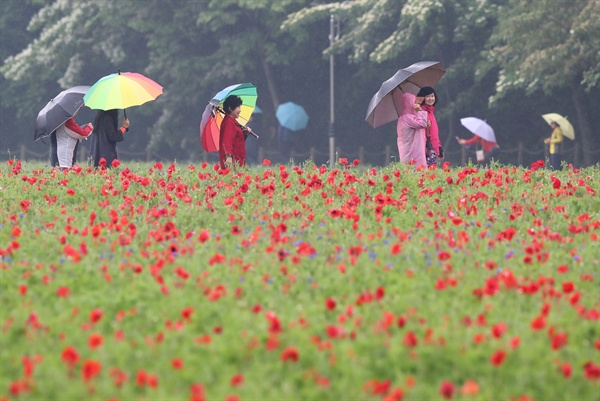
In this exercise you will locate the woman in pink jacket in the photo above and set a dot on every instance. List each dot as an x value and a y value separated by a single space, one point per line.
411 131
430 99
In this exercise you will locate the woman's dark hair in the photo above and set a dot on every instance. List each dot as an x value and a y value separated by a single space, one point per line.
231 103
107 118
427 90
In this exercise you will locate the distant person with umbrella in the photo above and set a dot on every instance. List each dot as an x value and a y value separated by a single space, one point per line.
411 131
487 149
483 139
105 136
292 118
555 139
285 142
232 139
108 95
58 112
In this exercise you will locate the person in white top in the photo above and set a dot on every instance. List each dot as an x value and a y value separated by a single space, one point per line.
67 136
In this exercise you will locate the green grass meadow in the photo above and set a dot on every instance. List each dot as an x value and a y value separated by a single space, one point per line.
185 282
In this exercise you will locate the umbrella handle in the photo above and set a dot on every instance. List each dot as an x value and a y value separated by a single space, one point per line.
125 116
248 130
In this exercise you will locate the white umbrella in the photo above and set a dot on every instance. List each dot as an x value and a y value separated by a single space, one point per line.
479 127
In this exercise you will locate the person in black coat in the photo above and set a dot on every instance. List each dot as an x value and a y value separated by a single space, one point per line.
54 150
105 136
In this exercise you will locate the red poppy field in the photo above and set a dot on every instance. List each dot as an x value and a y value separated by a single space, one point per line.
152 282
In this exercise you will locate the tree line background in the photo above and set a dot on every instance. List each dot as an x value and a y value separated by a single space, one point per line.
506 61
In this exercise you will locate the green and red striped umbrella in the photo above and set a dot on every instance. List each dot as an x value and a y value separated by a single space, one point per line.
213 115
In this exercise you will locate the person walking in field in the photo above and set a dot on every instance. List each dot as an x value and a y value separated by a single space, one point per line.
554 141
105 136
411 131
67 139
433 145
487 149
232 139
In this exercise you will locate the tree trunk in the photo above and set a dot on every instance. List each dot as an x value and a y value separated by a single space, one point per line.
589 144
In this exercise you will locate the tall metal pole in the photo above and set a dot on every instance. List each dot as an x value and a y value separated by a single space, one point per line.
334 34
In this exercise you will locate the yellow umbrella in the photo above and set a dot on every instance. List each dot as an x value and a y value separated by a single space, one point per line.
565 125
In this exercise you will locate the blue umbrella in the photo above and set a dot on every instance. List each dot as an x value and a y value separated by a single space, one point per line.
292 116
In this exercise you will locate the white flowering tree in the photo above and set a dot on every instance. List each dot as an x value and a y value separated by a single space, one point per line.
193 48
402 32
75 43
552 47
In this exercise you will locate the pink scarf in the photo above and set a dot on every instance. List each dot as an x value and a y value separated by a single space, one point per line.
432 131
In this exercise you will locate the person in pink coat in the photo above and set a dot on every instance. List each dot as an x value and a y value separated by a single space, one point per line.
411 131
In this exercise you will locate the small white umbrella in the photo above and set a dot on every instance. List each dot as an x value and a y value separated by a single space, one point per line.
479 127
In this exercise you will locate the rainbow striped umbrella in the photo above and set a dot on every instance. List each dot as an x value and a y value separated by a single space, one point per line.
213 115
121 90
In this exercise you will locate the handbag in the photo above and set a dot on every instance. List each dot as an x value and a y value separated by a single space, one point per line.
479 155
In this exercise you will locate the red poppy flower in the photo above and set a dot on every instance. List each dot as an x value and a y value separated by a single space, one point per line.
186 313
70 356
177 363
237 380
330 303
566 370
568 287
538 323
18 387
96 315
591 371
498 330
556 183
25 204
447 389
141 378
410 340
95 340
470 388
377 387
90 369
16 232
559 340
498 358
290 354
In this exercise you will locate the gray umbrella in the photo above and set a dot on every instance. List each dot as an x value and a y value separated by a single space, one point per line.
58 110
385 106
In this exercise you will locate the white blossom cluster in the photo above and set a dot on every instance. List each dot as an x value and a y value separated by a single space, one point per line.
64 33
420 9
